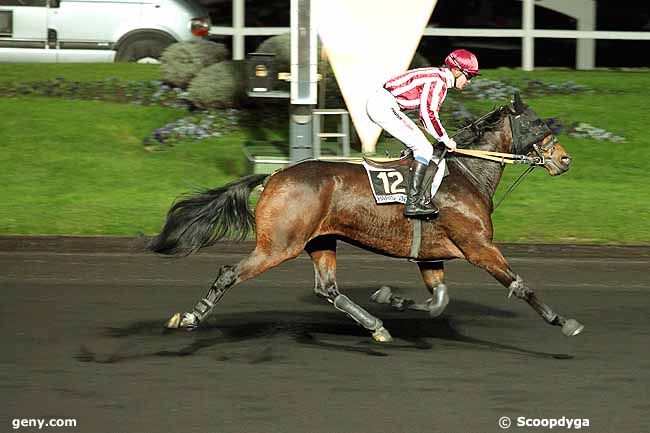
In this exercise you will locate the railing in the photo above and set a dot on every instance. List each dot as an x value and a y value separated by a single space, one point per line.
528 34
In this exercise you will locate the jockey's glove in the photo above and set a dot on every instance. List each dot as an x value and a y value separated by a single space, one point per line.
449 143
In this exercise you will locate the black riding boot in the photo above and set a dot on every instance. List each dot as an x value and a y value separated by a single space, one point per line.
414 207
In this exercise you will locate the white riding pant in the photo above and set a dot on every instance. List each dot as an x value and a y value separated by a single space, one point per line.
382 108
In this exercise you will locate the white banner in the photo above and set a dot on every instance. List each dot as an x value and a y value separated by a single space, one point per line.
369 41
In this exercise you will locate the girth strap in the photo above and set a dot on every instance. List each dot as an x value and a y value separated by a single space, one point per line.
417 238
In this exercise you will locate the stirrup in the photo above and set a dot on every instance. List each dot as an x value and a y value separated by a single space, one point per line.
425 213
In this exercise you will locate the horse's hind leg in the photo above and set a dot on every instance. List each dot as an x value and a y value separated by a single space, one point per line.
259 261
490 258
323 254
322 251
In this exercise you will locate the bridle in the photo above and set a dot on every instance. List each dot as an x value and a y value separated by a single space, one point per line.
540 147
547 145
520 143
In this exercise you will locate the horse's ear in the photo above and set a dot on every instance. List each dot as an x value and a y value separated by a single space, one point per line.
518 104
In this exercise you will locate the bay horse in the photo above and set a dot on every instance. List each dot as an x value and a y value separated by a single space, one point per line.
311 205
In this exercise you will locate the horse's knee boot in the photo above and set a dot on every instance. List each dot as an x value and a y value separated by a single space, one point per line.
357 313
202 309
519 289
438 301
225 279
522 291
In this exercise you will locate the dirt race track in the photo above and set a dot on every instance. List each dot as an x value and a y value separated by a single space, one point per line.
82 338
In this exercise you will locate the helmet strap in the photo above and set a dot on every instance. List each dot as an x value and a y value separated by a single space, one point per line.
453 59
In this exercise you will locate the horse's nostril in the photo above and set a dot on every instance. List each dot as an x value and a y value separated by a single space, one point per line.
565 160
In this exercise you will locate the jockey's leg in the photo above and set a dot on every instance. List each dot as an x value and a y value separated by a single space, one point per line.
489 258
414 207
439 176
384 111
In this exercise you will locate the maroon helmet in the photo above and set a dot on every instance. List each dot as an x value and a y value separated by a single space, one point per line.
463 60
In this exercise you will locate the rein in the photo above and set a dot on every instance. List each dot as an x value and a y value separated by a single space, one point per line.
506 158
548 142
503 158
500 157
520 179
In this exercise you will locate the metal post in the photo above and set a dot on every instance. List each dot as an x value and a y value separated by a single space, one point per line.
528 41
584 11
238 24
586 48
345 124
303 80
300 130
316 118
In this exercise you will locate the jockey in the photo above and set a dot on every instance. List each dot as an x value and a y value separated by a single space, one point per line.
425 90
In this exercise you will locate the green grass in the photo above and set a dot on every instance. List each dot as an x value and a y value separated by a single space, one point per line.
626 81
79 167
11 72
604 197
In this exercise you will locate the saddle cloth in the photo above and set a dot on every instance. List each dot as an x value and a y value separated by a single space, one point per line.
389 180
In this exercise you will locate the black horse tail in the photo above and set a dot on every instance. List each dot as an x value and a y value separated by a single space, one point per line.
199 221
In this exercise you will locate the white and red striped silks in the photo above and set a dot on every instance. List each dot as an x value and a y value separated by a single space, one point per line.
424 89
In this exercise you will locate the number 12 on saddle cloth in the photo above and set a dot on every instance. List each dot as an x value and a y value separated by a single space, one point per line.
389 181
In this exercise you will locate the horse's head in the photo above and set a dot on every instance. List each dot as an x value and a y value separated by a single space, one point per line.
531 136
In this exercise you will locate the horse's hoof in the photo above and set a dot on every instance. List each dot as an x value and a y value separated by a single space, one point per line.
382 296
572 327
186 321
174 321
382 335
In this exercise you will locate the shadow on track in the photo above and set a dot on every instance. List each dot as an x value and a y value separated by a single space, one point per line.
412 331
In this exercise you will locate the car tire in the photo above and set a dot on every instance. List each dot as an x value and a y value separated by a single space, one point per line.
143 47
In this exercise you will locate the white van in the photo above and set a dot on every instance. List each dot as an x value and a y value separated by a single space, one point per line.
96 30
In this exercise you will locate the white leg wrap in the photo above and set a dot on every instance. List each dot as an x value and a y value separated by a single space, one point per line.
202 309
358 314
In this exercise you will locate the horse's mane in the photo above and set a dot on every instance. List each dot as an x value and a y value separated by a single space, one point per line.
480 134
469 135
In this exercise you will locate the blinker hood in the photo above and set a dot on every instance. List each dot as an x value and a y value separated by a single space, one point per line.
527 128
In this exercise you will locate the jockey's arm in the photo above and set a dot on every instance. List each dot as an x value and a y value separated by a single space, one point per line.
430 103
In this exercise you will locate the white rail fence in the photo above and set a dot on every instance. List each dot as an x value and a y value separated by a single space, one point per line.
528 34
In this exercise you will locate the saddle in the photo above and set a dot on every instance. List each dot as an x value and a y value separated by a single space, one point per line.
389 180
405 159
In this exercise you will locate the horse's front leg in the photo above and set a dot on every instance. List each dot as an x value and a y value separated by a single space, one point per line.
489 257
433 274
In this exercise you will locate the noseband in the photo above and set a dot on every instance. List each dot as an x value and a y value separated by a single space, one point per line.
546 146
